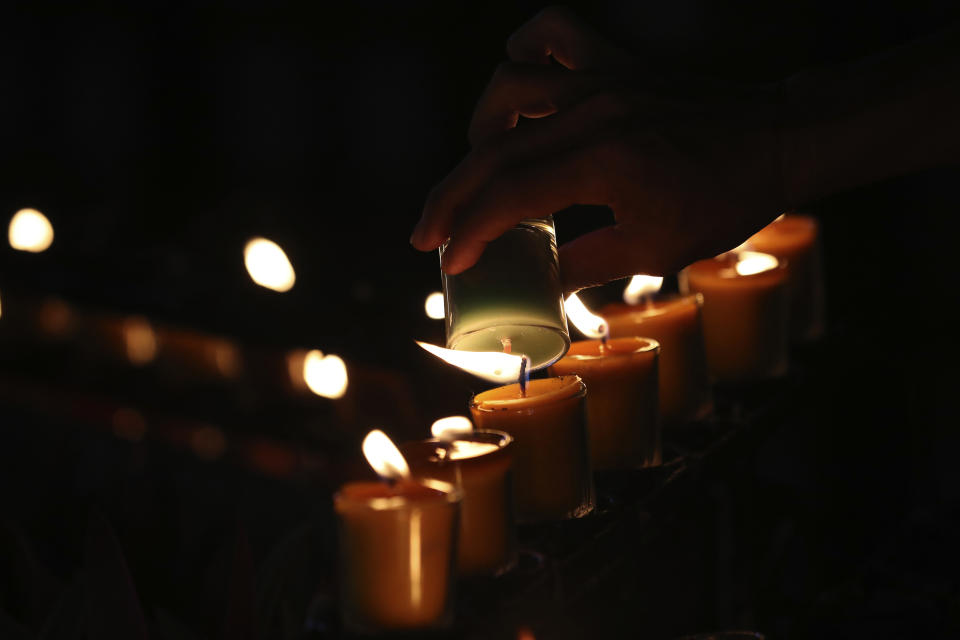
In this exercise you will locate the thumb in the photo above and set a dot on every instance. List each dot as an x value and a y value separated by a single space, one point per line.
604 255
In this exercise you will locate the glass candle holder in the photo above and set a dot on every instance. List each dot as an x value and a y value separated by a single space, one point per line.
622 416
677 324
745 316
795 239
511 300
397 551
551 454
480 464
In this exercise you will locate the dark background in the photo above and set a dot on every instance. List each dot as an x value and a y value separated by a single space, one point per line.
158 139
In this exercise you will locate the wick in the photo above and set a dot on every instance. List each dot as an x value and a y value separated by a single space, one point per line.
524 377
507 345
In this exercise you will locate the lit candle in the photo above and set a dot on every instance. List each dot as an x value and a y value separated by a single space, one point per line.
511 295
744 314
621 377
551 460
795 239
397 540
677 324
479 463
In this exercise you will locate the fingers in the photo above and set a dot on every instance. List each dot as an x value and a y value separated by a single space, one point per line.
557 32
533 91
604 255
515 148
534 191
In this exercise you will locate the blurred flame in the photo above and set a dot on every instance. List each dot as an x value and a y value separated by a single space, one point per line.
450 427
30 231
641 286
55 318
208 442
268 265
434 306
325 375
140 340
384 456
493 366
589 324
752 262
129 424
227 358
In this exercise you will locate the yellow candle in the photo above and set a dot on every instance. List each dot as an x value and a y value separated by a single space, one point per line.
795 239
480 465
397 548
744 315
551 460
677 324
622 416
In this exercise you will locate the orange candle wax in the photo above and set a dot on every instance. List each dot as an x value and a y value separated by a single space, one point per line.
795 239
552 473
480 465
744 316
397 550
622 416
677 324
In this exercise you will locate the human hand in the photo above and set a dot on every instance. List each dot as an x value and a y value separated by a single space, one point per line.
686 177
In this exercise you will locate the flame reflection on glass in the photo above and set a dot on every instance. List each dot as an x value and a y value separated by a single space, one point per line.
384 456
434 306
30 231
451 427
589 324
492 366
753 262
641 286
268 265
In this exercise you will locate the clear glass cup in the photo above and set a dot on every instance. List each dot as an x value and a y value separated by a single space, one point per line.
512 298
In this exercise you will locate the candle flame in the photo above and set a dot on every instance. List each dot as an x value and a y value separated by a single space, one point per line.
384 456
451 427
589 324
325 375
30 231
641 286
434 306
492 366
753 262
268 265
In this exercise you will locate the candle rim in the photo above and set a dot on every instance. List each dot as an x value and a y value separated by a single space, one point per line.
659 306
649 345
561 393
447 493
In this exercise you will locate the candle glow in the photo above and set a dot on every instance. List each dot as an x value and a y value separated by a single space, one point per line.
492 366
589 324
451 427
268 265
641 286
384 456
434 306
751 262
30 231
325 375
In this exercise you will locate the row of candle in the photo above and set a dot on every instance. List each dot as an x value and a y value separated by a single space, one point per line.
538 441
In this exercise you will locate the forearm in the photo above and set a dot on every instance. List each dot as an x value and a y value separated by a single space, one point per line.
874 119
